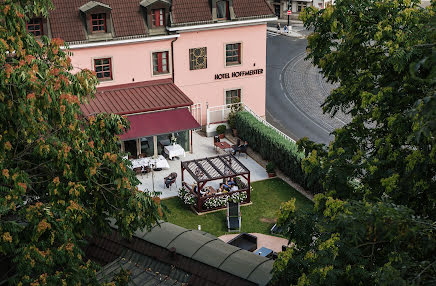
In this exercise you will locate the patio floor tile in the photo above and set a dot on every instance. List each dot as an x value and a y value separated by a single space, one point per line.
202 147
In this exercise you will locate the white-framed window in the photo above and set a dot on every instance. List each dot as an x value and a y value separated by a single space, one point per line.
233 54
160 63
233 96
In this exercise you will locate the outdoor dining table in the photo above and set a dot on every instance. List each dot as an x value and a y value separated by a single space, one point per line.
174 150
159 162
222 145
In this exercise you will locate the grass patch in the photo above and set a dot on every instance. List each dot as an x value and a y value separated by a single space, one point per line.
266 196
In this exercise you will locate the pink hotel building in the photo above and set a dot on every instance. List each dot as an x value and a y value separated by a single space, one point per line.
163 62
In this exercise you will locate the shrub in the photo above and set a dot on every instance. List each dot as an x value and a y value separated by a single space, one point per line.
271 146
221 201
187 198
270 167
221 129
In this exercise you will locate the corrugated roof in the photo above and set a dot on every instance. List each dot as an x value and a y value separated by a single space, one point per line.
136 98
210 251
67 23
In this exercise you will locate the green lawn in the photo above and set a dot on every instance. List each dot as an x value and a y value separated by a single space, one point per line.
259 217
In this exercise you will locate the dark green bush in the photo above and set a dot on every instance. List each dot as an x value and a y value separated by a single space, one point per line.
270 167
271 146
221 129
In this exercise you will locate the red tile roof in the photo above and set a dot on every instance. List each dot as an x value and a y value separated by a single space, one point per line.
186 11
67 23
189 11
136 97
252 8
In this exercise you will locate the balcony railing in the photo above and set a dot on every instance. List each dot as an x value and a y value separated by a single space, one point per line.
219 114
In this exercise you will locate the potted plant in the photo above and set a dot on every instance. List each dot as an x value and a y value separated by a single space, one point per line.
231 120
271 169
220 130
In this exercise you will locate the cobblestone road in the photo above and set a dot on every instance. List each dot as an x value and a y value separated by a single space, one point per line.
307 89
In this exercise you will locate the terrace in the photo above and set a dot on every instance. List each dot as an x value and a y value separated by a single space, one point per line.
203 147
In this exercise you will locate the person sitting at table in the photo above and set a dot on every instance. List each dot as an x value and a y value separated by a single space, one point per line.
225 186
234 188
240 147
230 182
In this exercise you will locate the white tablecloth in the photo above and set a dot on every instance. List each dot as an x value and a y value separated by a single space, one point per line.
159 162
174 150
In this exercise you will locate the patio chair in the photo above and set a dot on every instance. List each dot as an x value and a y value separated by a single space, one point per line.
233 217
146 170
138 171
170 180
216 139
242 149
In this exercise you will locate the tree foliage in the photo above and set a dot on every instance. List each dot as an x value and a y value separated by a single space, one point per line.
356 243
62 177
382 54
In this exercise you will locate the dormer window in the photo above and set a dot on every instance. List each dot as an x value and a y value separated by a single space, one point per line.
158 17
222 10
98 22
97 17
34 26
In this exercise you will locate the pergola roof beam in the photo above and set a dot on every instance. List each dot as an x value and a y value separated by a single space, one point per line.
204 171
213 165
228 166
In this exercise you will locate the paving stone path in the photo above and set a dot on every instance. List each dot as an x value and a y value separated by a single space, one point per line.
306 87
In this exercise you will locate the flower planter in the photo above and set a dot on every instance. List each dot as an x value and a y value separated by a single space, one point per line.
271 175
221 136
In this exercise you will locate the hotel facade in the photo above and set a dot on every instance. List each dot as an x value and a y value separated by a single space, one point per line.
165 64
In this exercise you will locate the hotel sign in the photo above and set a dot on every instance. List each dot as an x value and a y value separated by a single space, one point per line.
238 74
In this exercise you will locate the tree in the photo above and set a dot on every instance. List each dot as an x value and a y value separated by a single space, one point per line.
355 243
381 52
62 177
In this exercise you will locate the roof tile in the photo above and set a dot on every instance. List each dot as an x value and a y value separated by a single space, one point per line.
67 23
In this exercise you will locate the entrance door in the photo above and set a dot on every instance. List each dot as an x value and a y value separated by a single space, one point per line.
277 10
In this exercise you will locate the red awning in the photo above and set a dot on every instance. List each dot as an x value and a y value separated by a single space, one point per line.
161 122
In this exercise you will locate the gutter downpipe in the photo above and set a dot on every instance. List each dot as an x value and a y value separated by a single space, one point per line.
172 57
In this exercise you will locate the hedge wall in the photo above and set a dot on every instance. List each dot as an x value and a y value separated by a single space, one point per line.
271 146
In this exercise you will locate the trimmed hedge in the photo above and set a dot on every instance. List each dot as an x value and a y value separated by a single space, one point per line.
271 146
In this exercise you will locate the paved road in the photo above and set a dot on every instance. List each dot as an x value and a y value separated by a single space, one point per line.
295 90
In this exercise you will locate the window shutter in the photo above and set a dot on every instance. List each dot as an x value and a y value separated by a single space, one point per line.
159 62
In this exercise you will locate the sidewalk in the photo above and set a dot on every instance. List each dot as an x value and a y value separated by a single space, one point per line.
290 33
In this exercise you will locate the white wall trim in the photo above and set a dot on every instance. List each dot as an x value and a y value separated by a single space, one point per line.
222 25
120 42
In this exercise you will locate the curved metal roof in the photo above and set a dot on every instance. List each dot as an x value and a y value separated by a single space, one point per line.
206 248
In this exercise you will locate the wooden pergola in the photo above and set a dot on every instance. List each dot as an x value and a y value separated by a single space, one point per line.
212 169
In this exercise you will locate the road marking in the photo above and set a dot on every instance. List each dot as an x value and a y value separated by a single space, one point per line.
271 34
